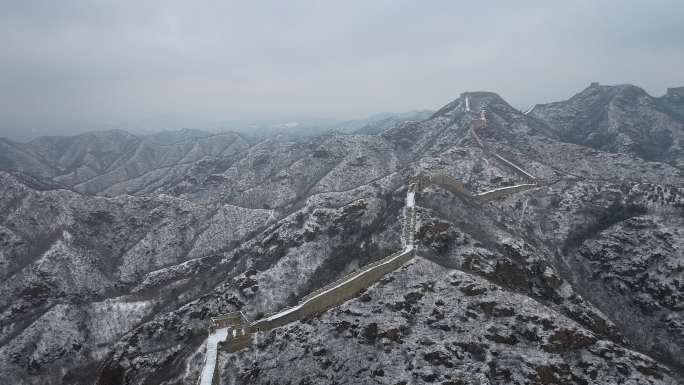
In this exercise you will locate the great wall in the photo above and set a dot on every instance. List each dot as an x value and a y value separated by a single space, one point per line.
233 332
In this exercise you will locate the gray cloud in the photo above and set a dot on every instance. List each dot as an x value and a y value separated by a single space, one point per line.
73 65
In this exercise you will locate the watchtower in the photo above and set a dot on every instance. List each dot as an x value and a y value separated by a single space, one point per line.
238 335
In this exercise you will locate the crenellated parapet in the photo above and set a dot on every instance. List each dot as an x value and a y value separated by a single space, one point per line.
229 320
423 180
237 328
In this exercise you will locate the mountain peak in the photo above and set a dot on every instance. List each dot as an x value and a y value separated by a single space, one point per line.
484 98
619 118
474 101
609 91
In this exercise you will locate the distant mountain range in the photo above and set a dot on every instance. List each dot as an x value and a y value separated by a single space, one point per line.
115 249
253 129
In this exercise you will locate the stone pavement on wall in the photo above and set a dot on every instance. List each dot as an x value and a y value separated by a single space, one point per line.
214 338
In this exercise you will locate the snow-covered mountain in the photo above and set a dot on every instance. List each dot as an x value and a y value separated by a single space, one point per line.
621 119
116 249
115 162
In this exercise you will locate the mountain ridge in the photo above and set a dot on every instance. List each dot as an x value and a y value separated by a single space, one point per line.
256 226
621 118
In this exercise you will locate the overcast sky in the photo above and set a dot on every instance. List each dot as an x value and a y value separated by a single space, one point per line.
75 65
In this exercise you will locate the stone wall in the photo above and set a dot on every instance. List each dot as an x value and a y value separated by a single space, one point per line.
504 191
216 378
480 123
230 320
420 181
477 123
515 168
449 183
341 293
238 342
473 133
